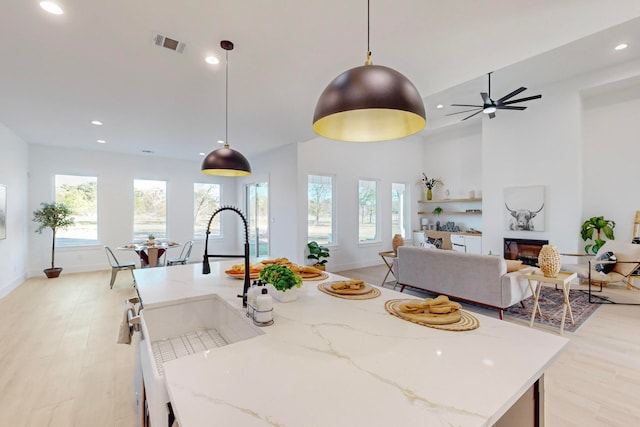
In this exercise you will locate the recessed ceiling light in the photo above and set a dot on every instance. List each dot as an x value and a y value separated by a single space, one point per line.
202 154
102 141
439 106
212 60
220 141
96 122
51 7
621 46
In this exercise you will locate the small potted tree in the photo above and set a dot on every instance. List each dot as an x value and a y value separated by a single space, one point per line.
317 252
56 216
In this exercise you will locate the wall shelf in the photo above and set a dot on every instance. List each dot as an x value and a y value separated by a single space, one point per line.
451 213
478 199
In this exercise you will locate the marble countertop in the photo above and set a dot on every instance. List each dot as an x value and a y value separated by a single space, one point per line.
328 361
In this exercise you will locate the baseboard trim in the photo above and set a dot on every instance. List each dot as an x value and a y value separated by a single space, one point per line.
7 288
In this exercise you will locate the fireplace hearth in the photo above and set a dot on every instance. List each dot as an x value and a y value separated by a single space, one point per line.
525 250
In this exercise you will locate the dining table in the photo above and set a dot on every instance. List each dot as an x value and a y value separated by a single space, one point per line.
150 253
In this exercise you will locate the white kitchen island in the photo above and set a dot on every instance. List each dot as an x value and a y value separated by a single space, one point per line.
328 361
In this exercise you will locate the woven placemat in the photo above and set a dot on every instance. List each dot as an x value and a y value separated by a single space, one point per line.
322 276
466 323
375 293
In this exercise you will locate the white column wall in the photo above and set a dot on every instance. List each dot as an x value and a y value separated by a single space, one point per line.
13 173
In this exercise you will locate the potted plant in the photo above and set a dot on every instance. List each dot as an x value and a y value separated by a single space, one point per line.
317 252
56 216
437 210
597 224
281 282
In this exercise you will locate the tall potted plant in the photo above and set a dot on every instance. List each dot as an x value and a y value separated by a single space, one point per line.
56 216
317 252
596 224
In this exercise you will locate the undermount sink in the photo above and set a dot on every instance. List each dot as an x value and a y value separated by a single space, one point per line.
177 330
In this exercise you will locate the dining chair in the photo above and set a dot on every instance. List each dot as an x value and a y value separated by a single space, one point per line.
185 253
118 266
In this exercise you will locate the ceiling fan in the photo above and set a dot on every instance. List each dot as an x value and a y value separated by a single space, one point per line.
489 106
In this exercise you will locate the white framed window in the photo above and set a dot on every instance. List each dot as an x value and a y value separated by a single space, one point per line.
149 209
400 211
367 210
320 209
206 199
80 194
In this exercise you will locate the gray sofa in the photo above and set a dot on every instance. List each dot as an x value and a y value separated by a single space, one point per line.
482 279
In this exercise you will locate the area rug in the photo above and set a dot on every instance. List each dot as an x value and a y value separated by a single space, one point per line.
551 306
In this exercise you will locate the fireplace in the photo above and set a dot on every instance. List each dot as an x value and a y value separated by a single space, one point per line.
526 250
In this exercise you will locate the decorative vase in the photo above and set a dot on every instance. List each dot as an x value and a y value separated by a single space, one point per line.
429 194
549 261
397 241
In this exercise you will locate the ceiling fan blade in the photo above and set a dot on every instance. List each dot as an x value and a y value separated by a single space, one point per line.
528 98
492 115
467 105
460 112
468 117
485 98
509 107
511 95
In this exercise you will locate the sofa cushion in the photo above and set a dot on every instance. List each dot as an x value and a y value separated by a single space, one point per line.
435 241
605 268
627 254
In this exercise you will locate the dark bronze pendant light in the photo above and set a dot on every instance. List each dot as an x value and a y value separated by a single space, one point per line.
226 161
369 103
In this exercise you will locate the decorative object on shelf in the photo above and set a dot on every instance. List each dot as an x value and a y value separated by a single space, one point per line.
437 210
56 216
600 225
369 103
397 241
226 161
430 184
524 208
317 252
549 261
449 226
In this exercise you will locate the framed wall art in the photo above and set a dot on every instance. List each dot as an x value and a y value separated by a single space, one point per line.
524 208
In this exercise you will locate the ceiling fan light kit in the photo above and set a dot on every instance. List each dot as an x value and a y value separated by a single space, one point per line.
489 106
369 103
226 161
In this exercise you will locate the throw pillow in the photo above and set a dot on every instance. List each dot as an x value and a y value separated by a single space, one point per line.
427 245
513 265
437 242
606 268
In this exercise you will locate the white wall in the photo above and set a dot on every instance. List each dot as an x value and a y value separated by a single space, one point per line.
611 155
388 162
13 174
279 169
454 154
115 204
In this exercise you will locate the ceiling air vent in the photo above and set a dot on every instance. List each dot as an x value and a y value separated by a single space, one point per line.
164 41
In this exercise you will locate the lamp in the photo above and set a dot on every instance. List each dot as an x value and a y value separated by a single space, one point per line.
369 103
226 161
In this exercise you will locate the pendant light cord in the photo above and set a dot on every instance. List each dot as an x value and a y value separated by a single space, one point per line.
368 61
226 103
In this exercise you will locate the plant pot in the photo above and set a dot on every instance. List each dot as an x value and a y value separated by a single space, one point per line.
52 273
283 296
429 194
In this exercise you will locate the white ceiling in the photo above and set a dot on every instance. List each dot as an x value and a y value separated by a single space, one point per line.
98 61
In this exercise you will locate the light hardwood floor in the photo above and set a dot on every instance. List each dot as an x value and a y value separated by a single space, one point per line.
60 364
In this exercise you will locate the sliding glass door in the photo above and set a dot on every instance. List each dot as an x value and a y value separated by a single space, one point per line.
257 210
